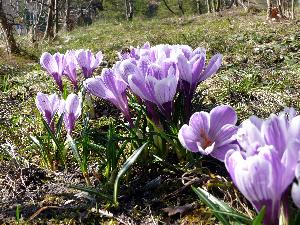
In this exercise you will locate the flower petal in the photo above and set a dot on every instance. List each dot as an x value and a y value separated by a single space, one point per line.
213 66
220 116
188 138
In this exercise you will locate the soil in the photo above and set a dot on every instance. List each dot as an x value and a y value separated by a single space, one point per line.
151 194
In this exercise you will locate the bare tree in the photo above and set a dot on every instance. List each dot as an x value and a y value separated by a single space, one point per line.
49 33
168 7
67 22
180 6
7 27
36 8
128 9
198 6
56 16
208 2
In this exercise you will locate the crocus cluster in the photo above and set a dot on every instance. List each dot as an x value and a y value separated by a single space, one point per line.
59 64
155 75
260 155
49 105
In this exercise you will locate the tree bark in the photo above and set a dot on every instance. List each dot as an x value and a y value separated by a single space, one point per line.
180 6
8 32
269 9
49 33
67 22
198 7
293 9
218 7
56 16
208 6
129 9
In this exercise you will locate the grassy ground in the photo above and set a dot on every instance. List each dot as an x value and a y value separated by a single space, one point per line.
260 75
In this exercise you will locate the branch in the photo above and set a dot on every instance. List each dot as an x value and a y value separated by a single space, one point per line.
166 4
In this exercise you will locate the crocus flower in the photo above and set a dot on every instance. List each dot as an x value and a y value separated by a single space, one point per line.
71 108
70 67
210 133
265 166
54 64
134 53
110 87
156 83
48 106
192 70
88 62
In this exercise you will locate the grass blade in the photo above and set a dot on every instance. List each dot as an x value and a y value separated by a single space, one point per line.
74 149
258 220
209 200
92 191
125 168
59 125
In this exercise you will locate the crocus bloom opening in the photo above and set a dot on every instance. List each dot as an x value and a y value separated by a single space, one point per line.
70 67
48 106
54 64
192 70
265 166
158 85
210 133
110 87
71 108
88 62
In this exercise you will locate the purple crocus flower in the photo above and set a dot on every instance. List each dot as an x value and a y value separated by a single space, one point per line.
110 87
48 106
71 107
265 166
54 64
88 62
210 133
156 83
70 67
192 71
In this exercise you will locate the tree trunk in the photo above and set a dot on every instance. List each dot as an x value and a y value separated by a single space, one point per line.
279 4
269 9
218 7
8 32
208 6
213 5
180 6
56 16
67 22
293 9
129 9
198 7
49 33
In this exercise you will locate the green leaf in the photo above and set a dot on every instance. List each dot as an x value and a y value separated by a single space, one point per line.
213 203
42 149
125 168
236 215
74 149
258 220
59 125
92 191
18 212
36 141
53 137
